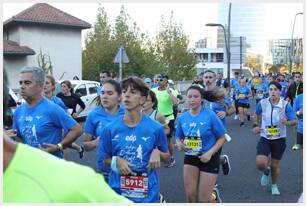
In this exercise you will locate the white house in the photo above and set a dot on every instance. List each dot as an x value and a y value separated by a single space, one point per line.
43 28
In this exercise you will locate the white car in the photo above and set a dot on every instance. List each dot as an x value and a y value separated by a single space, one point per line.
87 90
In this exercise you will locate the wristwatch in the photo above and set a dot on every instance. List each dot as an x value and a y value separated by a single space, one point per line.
60 146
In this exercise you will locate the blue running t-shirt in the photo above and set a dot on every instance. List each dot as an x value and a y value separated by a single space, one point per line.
96 120
206 126
135 145
42 123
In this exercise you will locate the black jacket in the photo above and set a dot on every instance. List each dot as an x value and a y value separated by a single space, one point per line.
291 92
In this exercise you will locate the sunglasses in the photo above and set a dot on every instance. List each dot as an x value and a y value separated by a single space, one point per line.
160 79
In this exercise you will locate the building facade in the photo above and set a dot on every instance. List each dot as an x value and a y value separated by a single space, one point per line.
48 31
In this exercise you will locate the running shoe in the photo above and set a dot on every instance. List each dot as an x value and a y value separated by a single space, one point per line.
172 163
161 198
235 117
226 167
241 124
216 195
264 181
81 153
296 147
274 190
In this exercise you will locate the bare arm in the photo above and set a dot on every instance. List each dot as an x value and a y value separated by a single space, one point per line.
90 143
161 119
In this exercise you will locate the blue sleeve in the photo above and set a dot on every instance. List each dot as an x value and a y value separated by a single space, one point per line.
228 101
162 143
89 127
217 126
61 118
290 114
105 144
179 134
258 110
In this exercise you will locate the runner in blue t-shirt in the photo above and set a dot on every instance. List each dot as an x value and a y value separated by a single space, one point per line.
275 114
261 90
107 110
49 88
39 122
133 149
201 134
243 95
298 108
222 108
234 86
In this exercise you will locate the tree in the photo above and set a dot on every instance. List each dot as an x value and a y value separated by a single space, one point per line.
254 61
136 44
99 49
44 62
171 48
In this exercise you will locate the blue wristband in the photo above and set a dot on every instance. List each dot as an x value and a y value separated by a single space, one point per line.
114 164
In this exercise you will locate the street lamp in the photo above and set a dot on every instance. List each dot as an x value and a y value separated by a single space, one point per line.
228 54
291 55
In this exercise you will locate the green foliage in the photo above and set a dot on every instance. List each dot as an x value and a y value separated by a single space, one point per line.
168 54
171 48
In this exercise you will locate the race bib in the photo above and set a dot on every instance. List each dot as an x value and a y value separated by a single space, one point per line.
134 186
273 131
241 96
260 95
193 145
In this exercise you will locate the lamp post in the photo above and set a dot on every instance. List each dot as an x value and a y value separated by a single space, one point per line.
291 55
227 49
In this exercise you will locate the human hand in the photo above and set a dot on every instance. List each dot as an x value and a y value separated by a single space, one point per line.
154 161
124 166
205 157
221 114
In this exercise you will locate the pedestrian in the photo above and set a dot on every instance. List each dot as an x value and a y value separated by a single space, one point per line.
295 89
201 134
234 86
243 95
33 176
128 144
149 108
104 75
275 114
261 90
70 99
39 122
298 108
166 100
49 88
221 108
107 110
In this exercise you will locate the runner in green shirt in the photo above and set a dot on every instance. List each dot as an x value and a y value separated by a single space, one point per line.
166 100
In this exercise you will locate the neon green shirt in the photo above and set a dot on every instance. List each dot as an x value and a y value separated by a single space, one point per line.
35 176
164 103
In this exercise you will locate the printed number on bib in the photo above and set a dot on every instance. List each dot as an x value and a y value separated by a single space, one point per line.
273 131
193 145
242 96
134 186
260 95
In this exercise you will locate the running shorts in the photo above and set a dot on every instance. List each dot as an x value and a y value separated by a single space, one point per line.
211 167
275 147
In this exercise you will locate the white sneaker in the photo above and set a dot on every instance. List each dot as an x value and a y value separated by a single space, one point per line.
235 117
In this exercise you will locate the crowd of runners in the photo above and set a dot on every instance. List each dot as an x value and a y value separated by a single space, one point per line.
136 125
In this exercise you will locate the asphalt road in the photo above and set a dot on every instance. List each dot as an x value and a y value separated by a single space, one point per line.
242 184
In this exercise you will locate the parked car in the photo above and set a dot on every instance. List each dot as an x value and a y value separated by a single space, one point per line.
87 90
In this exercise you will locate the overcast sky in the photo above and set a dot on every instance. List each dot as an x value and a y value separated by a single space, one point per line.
193 16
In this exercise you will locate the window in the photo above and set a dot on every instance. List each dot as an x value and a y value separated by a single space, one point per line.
92 88
81 90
